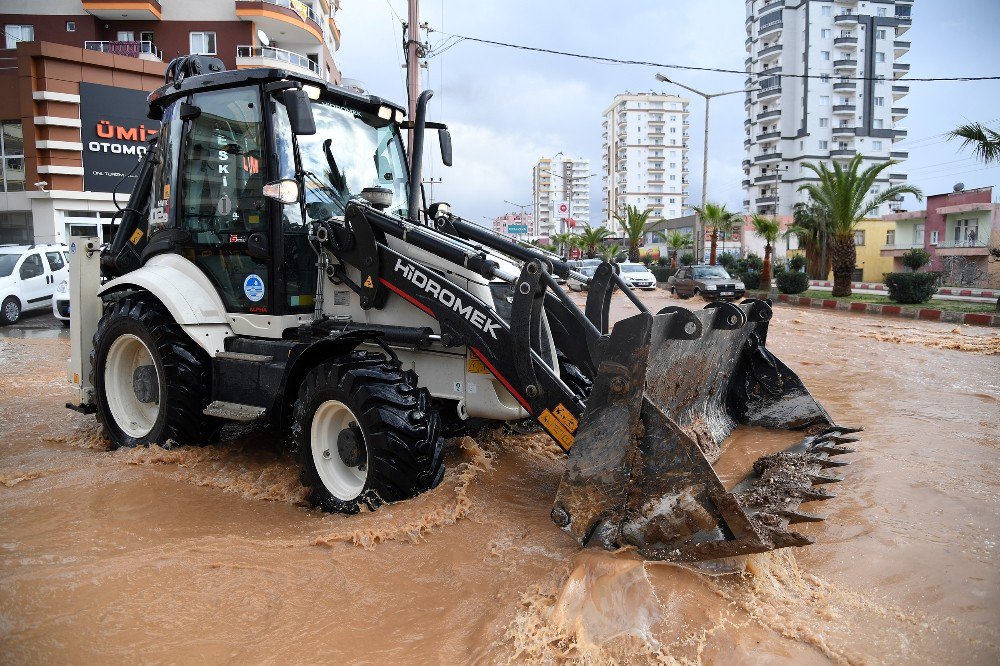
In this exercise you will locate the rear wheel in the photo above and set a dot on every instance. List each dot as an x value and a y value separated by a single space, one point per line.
151 381
366 434
10 311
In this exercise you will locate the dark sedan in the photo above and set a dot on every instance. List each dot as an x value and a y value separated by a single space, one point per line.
713 283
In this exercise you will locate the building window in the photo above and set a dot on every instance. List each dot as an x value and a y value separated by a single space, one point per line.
825 10
70 26
824 100
879 57
890 237
11 157
879 123
126 36
881 11
824 55
18 33
825 33
859 237
824 145
203 43
880 34
824 122
934 238
824 78
876 145
880 101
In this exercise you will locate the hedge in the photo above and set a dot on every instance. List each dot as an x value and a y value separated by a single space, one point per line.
662 273
911 287
750 278
793 282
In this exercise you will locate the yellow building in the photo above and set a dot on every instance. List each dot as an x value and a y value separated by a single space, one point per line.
869 239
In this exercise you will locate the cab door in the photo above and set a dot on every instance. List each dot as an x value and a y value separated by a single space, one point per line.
222 205
34 281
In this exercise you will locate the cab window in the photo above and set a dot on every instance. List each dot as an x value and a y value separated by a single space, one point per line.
56 262
32 267
223 201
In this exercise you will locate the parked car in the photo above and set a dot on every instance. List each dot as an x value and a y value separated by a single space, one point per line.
576 285
637 276
60 302
29 276
712 283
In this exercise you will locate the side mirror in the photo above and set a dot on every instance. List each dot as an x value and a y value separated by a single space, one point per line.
300 113
283 191
444 138
257 246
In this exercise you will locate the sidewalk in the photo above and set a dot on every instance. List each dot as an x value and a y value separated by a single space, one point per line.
943 291
906 311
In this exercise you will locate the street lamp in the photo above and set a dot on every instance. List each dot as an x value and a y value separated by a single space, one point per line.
522 207
704 171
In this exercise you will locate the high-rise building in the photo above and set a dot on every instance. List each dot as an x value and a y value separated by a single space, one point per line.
561 180
78 73
825 88
645 145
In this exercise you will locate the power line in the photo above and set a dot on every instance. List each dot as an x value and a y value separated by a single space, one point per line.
742 72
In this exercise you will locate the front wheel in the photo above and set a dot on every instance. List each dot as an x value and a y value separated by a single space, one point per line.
10 311
151 381
366 434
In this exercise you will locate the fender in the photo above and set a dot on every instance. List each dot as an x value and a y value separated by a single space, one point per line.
186 292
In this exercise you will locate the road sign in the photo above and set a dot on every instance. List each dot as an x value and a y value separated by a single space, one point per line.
575 253
517 228
562 209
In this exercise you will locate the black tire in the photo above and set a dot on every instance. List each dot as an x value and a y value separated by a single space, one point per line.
65 323
10 311
399 429
183 373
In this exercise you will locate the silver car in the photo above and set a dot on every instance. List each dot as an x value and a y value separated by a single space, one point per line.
713 283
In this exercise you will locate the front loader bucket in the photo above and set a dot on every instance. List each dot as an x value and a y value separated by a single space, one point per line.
668 391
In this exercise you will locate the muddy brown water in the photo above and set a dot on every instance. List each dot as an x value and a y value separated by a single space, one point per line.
207 554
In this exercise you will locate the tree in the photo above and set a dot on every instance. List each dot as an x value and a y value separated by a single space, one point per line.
916 258
768 229
809 228
845 195
985 141
634 226
611 252
562 242
677 241
720 219
590 238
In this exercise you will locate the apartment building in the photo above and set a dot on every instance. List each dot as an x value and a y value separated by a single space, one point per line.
520 224
852 102
78 72
645 147
561 194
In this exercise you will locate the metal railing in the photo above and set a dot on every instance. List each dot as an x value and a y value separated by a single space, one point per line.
300 8
132 49
968 243
274 53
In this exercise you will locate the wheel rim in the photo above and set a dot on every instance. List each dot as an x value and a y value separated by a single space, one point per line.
134 414
344 481
11 311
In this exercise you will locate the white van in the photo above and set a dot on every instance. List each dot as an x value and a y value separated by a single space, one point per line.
29 276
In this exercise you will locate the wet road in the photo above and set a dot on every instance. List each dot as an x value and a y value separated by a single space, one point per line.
207 554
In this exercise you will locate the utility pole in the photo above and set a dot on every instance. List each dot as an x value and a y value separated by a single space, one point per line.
432 182
413 49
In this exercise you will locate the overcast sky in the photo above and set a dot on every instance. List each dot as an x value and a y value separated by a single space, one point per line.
506 108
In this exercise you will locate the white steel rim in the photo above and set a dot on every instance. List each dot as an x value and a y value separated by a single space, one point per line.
134 417
344 482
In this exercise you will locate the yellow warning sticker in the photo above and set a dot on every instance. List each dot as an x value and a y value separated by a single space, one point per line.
136 237
477 366
166 191
369 283
555 428
566 418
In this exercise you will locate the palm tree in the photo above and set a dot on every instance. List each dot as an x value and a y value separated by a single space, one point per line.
984 140
562 242
720 219
844 194
610 252
809 228
677 241
590 238
768 229
634 225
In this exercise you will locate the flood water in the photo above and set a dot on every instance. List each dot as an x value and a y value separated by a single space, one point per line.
208 554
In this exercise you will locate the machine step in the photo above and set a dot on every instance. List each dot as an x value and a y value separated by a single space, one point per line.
232 411
240 356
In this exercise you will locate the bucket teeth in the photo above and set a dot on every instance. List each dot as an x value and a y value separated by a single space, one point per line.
826 462
787 539
840 430
833 450
842 440
799 517
822 478
813 494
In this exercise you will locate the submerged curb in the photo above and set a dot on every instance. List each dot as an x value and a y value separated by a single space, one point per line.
932 314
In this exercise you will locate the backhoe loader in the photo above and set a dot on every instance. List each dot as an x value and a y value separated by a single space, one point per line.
276 261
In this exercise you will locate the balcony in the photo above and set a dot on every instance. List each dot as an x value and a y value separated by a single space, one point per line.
769 93
770 178
849 64
844 109
843 153
965 248
124 10
269 56
142 50
900 91
768 157
773 113
846 42
898 249
765 200
899 155
900 111
900 69
282 20
768 137
769 51
897 177
846 18
772 29
844 130
901 47
845 86
746 164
